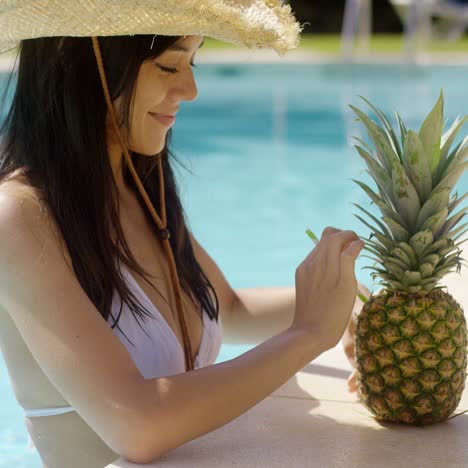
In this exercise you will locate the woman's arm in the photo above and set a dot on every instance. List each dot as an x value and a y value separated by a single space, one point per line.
183 407
260 313
250 315
138 418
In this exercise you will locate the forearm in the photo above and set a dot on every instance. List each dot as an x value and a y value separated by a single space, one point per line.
259 314
185 406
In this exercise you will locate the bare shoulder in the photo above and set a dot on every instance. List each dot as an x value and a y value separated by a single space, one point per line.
17 199
75 348
21 212
24 217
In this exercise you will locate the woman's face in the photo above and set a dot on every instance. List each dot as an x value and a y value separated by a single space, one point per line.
161 85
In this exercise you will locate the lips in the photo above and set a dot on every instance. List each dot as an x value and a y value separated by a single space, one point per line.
163 118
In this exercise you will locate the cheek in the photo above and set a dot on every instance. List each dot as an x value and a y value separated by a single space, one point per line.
147 135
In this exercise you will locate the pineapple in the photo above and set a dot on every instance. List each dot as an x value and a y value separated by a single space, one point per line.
411 337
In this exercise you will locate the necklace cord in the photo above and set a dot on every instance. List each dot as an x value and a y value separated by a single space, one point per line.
161 223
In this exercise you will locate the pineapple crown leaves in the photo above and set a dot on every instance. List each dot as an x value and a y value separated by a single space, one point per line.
436 146
414 241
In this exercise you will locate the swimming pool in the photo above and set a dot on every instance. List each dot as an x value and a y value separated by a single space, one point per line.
269 147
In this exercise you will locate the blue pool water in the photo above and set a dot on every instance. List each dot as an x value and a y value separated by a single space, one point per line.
270 150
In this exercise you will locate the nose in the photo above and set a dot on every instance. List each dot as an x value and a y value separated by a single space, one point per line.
186 87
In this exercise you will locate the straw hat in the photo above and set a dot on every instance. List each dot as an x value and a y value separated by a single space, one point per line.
252 23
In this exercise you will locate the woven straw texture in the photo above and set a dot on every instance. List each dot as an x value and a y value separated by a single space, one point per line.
251 23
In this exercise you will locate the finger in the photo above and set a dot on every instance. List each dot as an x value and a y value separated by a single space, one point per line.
318 253
349 352
348 259
320 244
328 231
337 243
352 382
365 290
318 247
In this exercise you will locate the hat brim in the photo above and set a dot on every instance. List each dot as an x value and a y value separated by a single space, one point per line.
250 23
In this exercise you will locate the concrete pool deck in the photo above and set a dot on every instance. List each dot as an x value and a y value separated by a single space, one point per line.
312 421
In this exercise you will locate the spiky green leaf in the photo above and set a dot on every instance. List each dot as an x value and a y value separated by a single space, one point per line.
416 165
395 261
384 151
436 202
426 270
364 145
437 246
384 208
385 241
403 130
380 250
394 271
411 278
399 233
387 126
435 222
432 259
454 172
420 241
384 230
430 133
402 255
449 136
409 251
377 172
453 221
456 158
456 237
373 229
455 201
406 198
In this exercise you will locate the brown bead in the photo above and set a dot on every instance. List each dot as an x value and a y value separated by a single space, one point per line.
164 234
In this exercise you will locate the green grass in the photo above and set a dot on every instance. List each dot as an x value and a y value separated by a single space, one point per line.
331 44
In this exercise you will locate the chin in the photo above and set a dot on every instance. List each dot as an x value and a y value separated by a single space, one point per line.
149 151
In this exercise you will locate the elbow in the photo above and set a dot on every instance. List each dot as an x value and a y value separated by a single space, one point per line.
140 457
141 444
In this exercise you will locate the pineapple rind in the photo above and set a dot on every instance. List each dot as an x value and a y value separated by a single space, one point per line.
411 356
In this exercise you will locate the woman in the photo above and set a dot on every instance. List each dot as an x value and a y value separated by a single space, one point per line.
111 316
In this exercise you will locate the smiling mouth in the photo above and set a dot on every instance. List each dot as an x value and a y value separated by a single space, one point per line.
166 120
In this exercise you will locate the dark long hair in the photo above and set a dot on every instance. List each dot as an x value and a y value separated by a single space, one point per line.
55 134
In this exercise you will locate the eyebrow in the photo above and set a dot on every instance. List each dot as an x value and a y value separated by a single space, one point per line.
181 48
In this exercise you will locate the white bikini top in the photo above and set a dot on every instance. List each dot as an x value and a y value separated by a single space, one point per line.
158 355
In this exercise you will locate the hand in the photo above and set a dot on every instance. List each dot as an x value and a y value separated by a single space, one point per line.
348 339
326 286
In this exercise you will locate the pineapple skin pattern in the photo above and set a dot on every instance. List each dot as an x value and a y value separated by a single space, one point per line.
411 337
411 356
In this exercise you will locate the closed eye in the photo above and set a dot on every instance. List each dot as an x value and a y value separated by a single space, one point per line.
171 70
